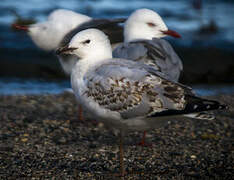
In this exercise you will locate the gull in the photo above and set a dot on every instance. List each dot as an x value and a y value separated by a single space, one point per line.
123 94
142 32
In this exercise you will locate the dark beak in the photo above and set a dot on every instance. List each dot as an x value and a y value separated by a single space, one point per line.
20 27
65 50
172 33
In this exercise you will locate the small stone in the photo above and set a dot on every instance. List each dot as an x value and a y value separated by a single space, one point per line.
62 140
24 139
26 135
100 125
193 157
96 155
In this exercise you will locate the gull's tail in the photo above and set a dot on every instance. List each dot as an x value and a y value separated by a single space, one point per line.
201 115
193 108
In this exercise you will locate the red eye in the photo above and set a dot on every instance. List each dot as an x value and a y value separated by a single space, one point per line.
151 24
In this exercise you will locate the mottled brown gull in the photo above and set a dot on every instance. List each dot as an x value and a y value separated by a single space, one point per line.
123 94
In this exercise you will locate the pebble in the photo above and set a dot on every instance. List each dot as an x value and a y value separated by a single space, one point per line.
193 157
24 139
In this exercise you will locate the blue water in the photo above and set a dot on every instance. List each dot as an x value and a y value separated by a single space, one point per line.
178 14
211 90
16 86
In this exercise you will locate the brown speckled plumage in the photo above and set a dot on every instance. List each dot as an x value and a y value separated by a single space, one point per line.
125 93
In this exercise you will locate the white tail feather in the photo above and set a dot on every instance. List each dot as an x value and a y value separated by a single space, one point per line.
201 115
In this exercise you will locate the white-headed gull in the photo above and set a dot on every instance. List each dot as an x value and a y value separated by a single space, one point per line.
124 94
49 34
142 32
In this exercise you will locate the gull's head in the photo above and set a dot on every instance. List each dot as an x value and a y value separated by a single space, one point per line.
146 24
90 43
48 35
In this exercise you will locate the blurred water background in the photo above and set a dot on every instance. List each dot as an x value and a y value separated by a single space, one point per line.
22 86
206 47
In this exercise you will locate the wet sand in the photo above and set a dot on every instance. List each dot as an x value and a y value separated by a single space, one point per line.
41 138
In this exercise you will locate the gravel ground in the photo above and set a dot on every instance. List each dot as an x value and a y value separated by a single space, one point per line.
41 138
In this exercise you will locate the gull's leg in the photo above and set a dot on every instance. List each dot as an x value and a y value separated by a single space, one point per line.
122 171
143 143
80 115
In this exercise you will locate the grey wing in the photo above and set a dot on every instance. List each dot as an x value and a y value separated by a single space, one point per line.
126 87
157 53
173 64
132 51
111 27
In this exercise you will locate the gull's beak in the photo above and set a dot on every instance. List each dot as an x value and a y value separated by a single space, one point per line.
21 27
172 33
65 50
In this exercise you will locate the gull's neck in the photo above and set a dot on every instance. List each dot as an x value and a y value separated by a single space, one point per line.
134 36
79 71
84 64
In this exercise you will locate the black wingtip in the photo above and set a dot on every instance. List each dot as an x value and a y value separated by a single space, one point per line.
215 106
222 106
195 106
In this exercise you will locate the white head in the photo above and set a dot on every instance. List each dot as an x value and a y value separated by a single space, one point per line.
145 24
88 44
48 35
68 17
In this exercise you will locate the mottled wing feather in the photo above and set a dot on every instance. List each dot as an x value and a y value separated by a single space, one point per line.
109 26
131 90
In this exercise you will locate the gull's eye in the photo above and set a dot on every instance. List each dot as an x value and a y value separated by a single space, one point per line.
151 24
86 41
